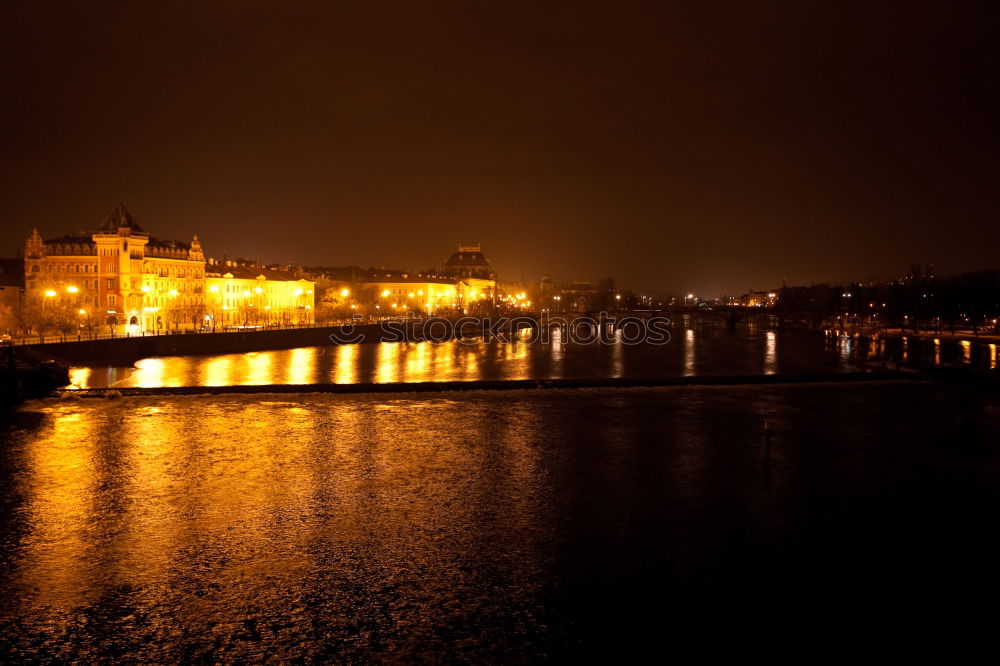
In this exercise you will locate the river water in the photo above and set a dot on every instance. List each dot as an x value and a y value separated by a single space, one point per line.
516 526
697 347
600 525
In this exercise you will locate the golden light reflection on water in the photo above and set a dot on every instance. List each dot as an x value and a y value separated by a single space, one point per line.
966 351
79 377
771 353
301 365
218 371
693 351
62 472
124 495
154 372
618 356
558 353
689 352
387 364
345 364
257 368
993 356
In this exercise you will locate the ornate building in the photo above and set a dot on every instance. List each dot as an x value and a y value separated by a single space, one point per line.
118 276
243 294
475 279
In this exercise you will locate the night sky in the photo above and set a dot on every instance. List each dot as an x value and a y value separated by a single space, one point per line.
685 146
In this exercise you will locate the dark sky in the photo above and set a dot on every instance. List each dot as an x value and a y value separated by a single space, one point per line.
702 146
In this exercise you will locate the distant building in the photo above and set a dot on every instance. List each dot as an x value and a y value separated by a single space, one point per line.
580 297
402 292
241 294
117 275
758 299
475 277
469 262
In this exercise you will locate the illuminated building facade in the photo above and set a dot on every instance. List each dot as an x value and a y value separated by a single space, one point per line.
759 299
476 281
469 262
241 294
117 276
400 293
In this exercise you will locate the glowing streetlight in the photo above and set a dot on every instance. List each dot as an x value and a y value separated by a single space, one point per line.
344 293
172 292
82 312
49 293
72 289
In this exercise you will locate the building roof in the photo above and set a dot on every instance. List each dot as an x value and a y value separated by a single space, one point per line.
467 258
243 272
76 238
172 244
407 279
120 218
468 261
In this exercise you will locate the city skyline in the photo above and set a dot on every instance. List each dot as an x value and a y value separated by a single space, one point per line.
676 150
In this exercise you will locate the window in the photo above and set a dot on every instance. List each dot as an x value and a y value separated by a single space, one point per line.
111 284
